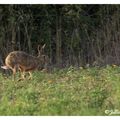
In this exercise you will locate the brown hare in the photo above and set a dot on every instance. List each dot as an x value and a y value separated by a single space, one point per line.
19 60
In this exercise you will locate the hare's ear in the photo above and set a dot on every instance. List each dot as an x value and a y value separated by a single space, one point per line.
38 48
43 46
40 51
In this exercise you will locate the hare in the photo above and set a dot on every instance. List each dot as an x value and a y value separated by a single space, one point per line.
19 60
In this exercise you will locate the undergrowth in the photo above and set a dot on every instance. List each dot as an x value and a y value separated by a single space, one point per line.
70 91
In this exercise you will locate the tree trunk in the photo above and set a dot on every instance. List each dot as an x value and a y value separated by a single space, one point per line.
58 40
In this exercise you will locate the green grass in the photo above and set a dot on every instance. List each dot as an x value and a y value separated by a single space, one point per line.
69 91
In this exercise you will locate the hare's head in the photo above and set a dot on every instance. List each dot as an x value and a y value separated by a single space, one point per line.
40 50
42 58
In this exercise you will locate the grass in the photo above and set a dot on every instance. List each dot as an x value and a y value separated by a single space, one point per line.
69 91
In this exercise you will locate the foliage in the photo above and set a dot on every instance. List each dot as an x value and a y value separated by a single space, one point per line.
71 91
74 34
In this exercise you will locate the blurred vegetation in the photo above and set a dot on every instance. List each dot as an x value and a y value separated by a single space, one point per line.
74 34
71 91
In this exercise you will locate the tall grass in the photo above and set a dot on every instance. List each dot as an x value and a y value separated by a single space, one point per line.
70 91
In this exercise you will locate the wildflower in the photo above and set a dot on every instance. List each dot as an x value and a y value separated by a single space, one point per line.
114 65
50 81
81 68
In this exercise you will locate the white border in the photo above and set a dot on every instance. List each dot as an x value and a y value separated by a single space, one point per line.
60 118
59 1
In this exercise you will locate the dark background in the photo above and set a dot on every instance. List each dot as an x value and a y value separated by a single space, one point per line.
76 35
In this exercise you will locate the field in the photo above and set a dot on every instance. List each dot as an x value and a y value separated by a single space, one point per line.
71 91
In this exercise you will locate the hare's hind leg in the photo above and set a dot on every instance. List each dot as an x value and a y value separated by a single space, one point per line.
14 72
30 75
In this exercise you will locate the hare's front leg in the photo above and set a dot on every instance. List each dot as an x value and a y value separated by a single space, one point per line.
22 75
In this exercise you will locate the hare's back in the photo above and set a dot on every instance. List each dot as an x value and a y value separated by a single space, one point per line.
17 57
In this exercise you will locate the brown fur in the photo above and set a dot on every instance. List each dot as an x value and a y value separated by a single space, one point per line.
24 62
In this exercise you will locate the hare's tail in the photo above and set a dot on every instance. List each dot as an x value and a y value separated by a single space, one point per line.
5 67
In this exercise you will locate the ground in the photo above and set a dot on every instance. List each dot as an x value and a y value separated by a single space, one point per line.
70 91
